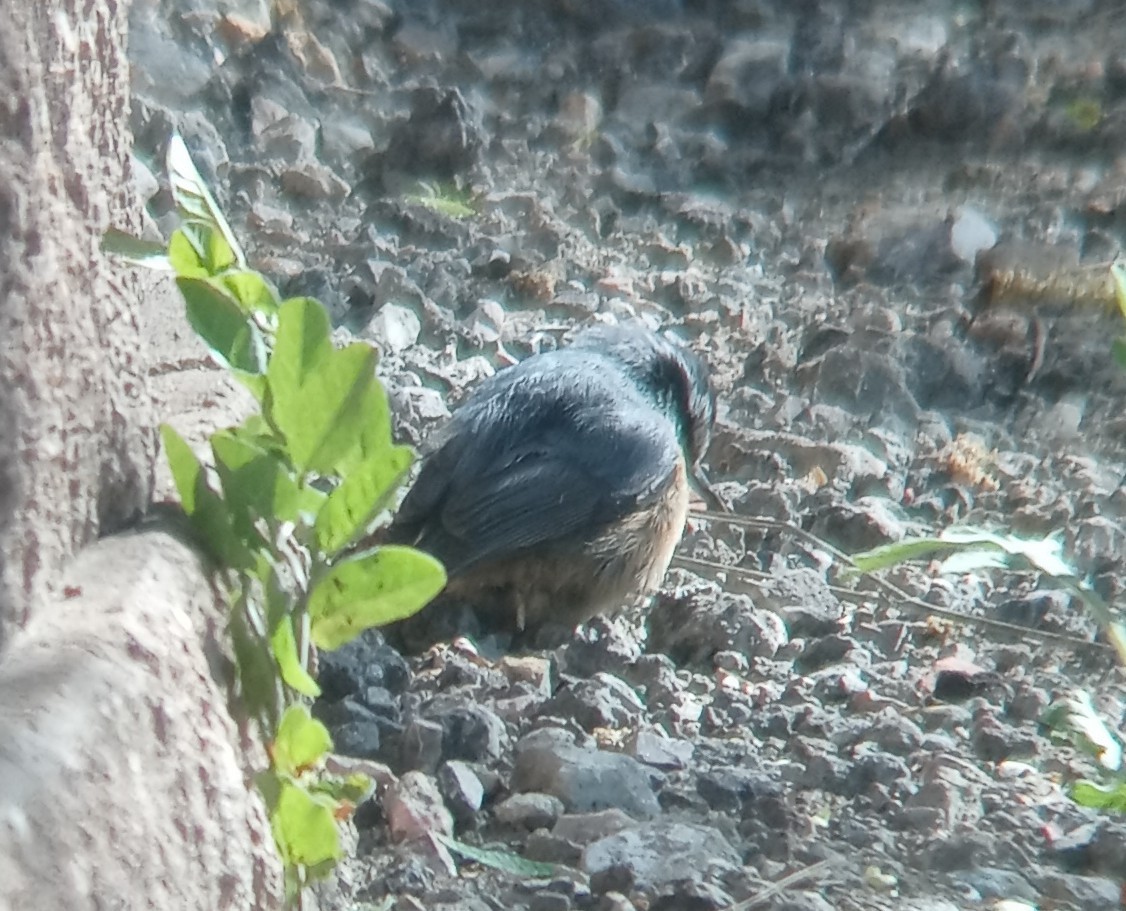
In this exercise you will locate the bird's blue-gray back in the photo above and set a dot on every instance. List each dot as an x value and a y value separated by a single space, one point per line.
529 461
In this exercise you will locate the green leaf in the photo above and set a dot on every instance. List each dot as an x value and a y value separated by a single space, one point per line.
502 860
445 199
1118 276
1076 717
269 783
352 790
184 257
303 342
373 435
301 743
900 552
147 253
258 429
218 256
194 200
185 467
1089 794
973 548
311 504
1043 554
218 319
974 559
260 685
317 394
364 491
280 617
304 826
283 643
1116 636
252 291
208 248
371 589
208 512
256 482
1118 350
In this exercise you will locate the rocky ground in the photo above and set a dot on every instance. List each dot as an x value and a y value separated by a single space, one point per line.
801 189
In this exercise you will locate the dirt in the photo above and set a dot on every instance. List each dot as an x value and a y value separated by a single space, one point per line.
801 190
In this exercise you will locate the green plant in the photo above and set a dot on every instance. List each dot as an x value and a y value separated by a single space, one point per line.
1118 279
446 199
283 501
1072 719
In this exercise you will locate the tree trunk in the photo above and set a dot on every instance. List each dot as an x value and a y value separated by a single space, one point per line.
124 781
77 435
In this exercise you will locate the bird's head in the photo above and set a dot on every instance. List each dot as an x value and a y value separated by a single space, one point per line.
670 375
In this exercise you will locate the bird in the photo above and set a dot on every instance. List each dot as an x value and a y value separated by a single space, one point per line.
559 489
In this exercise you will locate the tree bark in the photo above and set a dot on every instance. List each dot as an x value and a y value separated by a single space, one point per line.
77 439
124 781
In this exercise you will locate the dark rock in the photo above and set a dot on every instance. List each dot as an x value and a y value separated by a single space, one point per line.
974 102
836 684
964 851
357 738
1027 703
604 701
892 247
356 730
824 650
586 780
657 853
958 680
730 788
440 139
659 751
1081 891
472 733
461 789
529 811
364 662
690 895
872 766
994 882
380 702
827 772
550 901
994 741
1074 850
693 628
553 849
858 526
895 734
600 645
420 745
748 77
864 382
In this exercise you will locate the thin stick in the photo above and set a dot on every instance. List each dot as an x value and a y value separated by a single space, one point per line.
775 887
890 588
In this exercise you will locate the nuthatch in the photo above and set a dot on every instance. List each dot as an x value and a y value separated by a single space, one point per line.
559 489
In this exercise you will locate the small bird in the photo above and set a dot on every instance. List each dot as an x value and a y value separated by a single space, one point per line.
559 489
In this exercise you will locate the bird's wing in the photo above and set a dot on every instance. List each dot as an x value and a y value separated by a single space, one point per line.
538 472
